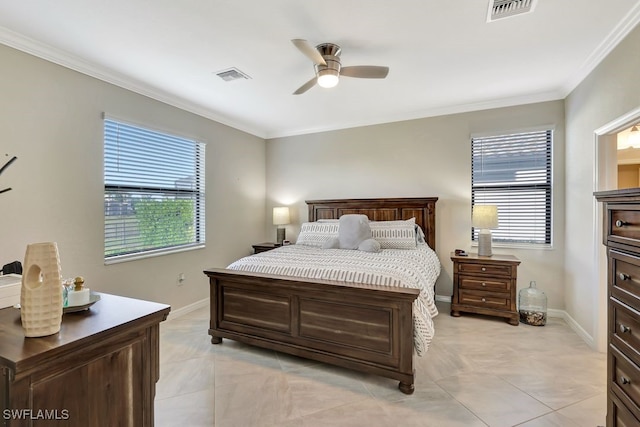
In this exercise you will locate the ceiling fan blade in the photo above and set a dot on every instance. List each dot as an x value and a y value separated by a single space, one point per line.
310 51
365 71
305 87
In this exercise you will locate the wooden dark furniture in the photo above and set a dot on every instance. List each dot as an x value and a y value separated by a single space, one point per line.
485 285
101 369
357 326
621 235
263 247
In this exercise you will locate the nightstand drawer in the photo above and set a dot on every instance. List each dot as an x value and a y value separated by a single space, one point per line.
485 285
625 377
485 299
625 333
488 269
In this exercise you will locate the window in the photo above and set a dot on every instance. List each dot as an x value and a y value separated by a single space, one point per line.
514 172
153 192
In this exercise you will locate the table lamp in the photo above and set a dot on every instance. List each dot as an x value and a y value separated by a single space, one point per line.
280 217
484 217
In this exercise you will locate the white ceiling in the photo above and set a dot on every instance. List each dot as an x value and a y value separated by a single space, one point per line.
443 55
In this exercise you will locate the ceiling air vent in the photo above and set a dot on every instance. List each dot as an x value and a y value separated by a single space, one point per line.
232 74
499 9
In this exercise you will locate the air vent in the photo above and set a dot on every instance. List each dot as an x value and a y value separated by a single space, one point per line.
499 9
231 74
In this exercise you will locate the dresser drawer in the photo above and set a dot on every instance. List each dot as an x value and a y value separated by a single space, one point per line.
482 299
625 377
481 268
624 223
485 284
618 415
625 329
625 278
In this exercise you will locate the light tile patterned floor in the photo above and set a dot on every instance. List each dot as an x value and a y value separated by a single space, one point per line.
478 371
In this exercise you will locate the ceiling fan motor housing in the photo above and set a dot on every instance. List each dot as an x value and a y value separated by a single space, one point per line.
331 54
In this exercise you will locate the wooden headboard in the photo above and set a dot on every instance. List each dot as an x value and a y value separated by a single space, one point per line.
422 208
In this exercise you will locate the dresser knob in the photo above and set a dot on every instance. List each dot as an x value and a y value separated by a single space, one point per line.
624 380
484 284
623 276
484 300
484 268
624 328
620 223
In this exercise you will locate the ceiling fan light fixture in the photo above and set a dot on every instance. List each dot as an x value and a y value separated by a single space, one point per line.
328 78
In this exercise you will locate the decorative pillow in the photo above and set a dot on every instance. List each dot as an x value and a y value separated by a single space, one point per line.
317 233
395 234
354 233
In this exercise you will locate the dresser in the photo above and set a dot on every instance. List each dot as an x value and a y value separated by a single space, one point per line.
621 235
485 285
100 370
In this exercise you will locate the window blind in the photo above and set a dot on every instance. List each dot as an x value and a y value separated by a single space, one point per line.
154 191
514 172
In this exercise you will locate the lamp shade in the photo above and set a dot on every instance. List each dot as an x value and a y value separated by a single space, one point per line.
485 216
281 215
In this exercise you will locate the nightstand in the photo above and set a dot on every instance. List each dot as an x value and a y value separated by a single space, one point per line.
485 285
266 246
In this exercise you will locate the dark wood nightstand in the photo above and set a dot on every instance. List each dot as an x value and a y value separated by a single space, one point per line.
485 285
266 246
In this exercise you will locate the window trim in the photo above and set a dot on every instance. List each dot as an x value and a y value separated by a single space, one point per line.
151 253
521 245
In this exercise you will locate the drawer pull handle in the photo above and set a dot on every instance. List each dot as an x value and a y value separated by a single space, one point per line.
484 269
484 284
624 329
624 380
621 223
484 300
623 276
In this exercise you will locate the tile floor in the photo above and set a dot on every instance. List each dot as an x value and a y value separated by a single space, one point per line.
478 371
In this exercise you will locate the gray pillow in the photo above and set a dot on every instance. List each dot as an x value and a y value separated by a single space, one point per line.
353 230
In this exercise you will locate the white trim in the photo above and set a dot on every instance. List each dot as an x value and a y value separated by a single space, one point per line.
67 60
624 27
182 311
588 339
443 298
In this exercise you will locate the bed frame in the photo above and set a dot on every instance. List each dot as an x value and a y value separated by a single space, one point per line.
356 326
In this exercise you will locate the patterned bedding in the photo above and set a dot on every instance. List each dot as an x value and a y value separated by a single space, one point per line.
413 268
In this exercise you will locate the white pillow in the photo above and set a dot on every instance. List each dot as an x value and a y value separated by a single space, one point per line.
395 234
317 233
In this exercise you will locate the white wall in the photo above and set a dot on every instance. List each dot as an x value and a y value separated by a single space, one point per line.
425 157
610 91
51 119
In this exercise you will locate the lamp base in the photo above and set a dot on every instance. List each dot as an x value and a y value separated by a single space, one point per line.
484 243
280 233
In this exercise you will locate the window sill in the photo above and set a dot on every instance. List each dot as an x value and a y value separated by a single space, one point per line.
151 254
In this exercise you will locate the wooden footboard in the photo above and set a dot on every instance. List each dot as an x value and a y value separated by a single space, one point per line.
362 327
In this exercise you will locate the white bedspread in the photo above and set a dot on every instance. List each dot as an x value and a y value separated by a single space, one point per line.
409 268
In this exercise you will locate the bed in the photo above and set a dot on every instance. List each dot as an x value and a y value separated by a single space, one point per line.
365 327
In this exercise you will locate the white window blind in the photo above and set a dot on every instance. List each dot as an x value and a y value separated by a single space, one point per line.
514 172
154 192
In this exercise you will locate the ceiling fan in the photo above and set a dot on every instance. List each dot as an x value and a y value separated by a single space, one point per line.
326 60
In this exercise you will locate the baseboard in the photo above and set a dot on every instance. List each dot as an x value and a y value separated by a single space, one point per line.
443 298
174 314
588 339
573 325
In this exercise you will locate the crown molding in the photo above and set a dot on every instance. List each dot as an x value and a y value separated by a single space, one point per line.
624 27
67 60
422 114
